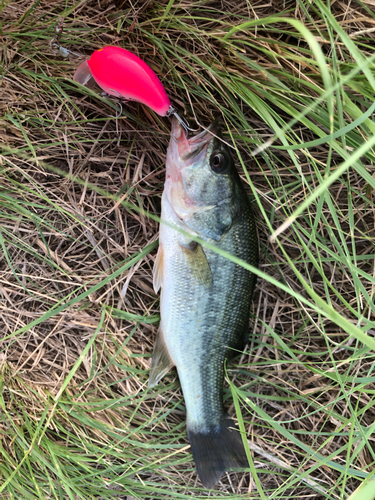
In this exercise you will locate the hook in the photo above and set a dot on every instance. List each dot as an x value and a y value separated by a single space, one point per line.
120 100
171 111
119 113
54 43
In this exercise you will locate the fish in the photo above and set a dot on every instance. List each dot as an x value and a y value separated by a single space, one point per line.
205 297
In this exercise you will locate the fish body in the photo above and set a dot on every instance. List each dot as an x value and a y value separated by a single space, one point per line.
205 297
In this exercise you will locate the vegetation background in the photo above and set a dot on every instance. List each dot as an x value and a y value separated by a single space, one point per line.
294 82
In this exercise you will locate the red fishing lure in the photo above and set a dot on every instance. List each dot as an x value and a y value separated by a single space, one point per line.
121 73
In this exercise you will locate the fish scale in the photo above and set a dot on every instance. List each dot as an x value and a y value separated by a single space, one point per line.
205 297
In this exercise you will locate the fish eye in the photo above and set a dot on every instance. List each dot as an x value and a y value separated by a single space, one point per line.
219 162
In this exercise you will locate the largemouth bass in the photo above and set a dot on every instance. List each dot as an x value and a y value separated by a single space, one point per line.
205 297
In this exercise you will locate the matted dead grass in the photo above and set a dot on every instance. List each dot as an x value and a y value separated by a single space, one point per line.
64 238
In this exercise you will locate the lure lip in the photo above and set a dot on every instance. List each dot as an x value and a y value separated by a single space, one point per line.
83 73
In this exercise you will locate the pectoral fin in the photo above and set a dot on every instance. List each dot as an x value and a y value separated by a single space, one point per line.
198 263
161 362
158 270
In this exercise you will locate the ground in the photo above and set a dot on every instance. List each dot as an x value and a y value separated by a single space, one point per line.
80 197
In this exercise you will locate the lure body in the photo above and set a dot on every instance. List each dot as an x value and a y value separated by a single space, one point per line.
121 73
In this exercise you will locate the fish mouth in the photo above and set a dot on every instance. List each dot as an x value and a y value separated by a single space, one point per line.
188 148
185 154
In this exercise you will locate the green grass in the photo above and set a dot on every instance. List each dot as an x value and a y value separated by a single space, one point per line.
79 205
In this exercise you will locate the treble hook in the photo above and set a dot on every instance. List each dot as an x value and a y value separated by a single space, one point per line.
120 100
54 43
119 113
171 111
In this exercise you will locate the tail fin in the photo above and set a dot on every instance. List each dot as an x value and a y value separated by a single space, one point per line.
216 450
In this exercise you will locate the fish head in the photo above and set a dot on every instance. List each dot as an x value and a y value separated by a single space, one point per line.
202 182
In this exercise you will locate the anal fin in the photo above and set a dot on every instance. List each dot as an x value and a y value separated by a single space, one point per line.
161 361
